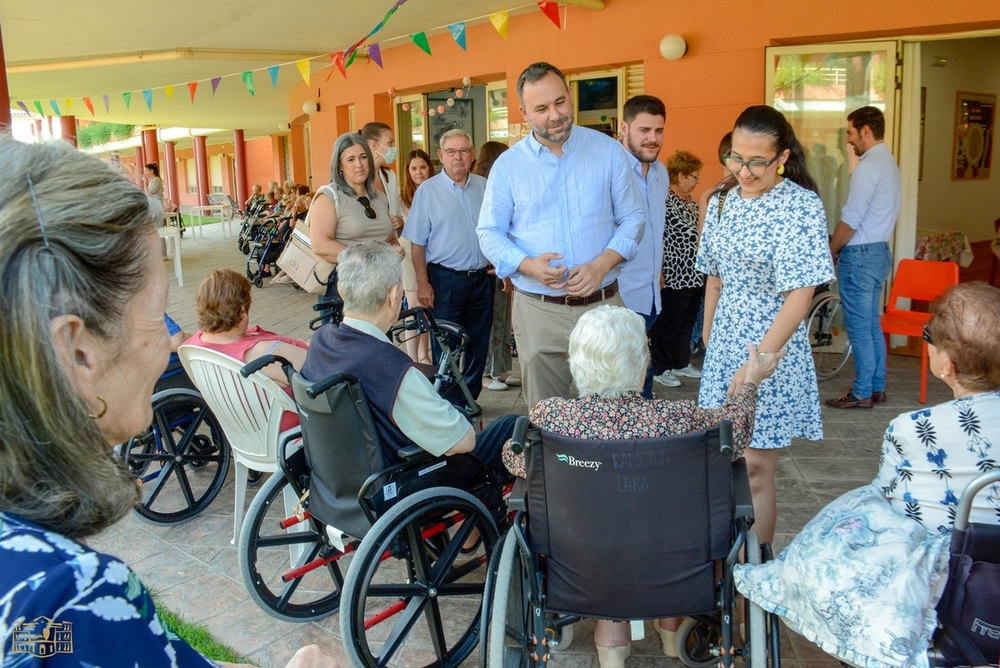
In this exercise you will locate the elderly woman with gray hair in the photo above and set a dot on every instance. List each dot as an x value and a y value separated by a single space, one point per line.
608 357
349 209
82 343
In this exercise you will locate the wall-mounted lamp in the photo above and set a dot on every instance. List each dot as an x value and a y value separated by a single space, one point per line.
284 127
309 107
672 47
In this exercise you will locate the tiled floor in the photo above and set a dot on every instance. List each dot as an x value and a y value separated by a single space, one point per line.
194 569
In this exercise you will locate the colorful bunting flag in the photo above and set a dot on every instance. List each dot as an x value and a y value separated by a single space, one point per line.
338 60
457 31
375 53
128 100
304 69
55 107
420 39
499 21
69 104
551 9
147 95
273 71
350 58
169 90
90 105
192 87
24 107
248 82
38 106
215 85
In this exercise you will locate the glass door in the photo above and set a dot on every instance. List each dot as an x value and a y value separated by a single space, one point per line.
598 98
816 86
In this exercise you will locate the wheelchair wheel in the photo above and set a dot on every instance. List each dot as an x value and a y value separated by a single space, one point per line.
697 638
827 335
181 461
756 619
268 552
507 632
258 281
431 602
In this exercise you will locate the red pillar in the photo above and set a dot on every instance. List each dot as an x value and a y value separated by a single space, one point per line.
240 157
48 119
149 147
201 168
4 92
170 172
38 129
140 162
67 128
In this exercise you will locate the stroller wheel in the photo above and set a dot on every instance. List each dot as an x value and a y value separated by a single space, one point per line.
258 281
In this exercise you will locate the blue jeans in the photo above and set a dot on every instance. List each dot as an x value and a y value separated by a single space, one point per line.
864 269
647 385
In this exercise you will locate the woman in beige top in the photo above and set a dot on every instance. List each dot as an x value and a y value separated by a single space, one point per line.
349 209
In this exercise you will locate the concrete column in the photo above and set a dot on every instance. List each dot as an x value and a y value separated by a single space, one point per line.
4 92
149 146
240 157
170 171
201 168
140 162
67 128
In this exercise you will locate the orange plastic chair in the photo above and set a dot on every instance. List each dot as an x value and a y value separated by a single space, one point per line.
922 280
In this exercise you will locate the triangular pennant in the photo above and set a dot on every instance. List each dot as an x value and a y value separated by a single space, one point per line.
38 106
107 104
499 21
128 100
420 39
55 107
338 60
304 69
147 94
24 107
457 31
89 104
248 82
192 87
169 90
215 85
273 71
551 9
350 58
69 104
375 53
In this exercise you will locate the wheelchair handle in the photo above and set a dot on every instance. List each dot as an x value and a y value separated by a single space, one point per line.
261 362
324 384
968 494
726 439
518 437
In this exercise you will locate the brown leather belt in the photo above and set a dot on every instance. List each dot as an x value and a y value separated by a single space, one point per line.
566 300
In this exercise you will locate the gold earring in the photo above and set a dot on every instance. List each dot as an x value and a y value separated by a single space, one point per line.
104 409
781 169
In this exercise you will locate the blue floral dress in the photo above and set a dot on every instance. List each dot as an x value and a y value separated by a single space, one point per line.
760 248
66 605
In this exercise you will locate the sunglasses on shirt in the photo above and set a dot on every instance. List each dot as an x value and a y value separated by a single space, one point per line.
369 211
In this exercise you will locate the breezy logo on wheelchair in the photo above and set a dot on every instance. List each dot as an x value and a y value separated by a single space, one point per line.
582 463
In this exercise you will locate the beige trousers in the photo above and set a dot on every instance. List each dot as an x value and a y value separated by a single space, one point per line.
542 332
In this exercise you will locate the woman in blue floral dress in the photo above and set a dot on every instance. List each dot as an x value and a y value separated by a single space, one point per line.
863 577
764 247
83 343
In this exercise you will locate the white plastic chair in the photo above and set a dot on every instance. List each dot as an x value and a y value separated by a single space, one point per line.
250 410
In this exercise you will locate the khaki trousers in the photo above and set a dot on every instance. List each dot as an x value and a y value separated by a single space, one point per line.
542 332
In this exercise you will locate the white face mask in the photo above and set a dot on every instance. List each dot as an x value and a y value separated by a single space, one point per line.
390 152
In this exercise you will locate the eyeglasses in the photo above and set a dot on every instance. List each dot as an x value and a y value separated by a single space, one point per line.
755 167
369 211
927 335
452 152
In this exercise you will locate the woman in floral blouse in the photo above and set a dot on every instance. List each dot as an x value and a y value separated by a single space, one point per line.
608 357
84 342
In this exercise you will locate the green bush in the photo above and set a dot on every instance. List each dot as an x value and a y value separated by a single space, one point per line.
96 134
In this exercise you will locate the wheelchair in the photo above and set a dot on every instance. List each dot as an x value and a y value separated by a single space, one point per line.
412 592
682 511
181 461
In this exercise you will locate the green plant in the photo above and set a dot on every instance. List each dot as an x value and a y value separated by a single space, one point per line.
197 636
95 134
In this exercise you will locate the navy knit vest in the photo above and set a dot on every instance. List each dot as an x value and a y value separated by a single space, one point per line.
379 366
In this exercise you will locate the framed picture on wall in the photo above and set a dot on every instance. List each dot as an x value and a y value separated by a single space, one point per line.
972 152
458 116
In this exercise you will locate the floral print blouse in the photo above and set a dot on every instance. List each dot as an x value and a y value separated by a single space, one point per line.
632 416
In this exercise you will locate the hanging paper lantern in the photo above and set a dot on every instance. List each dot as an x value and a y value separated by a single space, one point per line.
406 106
431 112
451 102
423 114
459 93
440 108
392 92
398 99
466 81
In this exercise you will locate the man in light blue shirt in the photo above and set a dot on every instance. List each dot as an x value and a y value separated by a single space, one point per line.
562 211
643 117
860 243
452 278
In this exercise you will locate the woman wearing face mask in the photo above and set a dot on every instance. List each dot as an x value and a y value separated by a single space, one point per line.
383 146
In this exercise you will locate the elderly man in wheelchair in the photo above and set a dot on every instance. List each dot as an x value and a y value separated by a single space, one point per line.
390 478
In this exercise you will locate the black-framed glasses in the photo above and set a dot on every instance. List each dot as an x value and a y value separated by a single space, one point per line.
369 211
927 335
755 167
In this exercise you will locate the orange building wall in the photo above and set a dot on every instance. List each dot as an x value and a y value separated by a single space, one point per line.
722 73
260 165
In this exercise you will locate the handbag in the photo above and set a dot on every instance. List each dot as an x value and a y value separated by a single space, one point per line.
309 271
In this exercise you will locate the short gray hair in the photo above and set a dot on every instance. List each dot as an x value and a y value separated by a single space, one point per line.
608 354
344 142
455 132
366 272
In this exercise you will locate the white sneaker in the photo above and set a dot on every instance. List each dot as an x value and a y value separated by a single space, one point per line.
496 385
687 372
668 379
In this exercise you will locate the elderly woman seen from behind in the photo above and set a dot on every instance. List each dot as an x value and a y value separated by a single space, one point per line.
608 357
868 571
82 343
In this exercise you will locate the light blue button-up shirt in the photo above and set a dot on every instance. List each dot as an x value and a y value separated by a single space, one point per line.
874 198
640 277
578 205
443 219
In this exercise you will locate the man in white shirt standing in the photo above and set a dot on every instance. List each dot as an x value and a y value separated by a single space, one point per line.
860 245
643 117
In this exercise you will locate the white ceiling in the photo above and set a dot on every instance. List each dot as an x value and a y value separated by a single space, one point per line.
52 34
